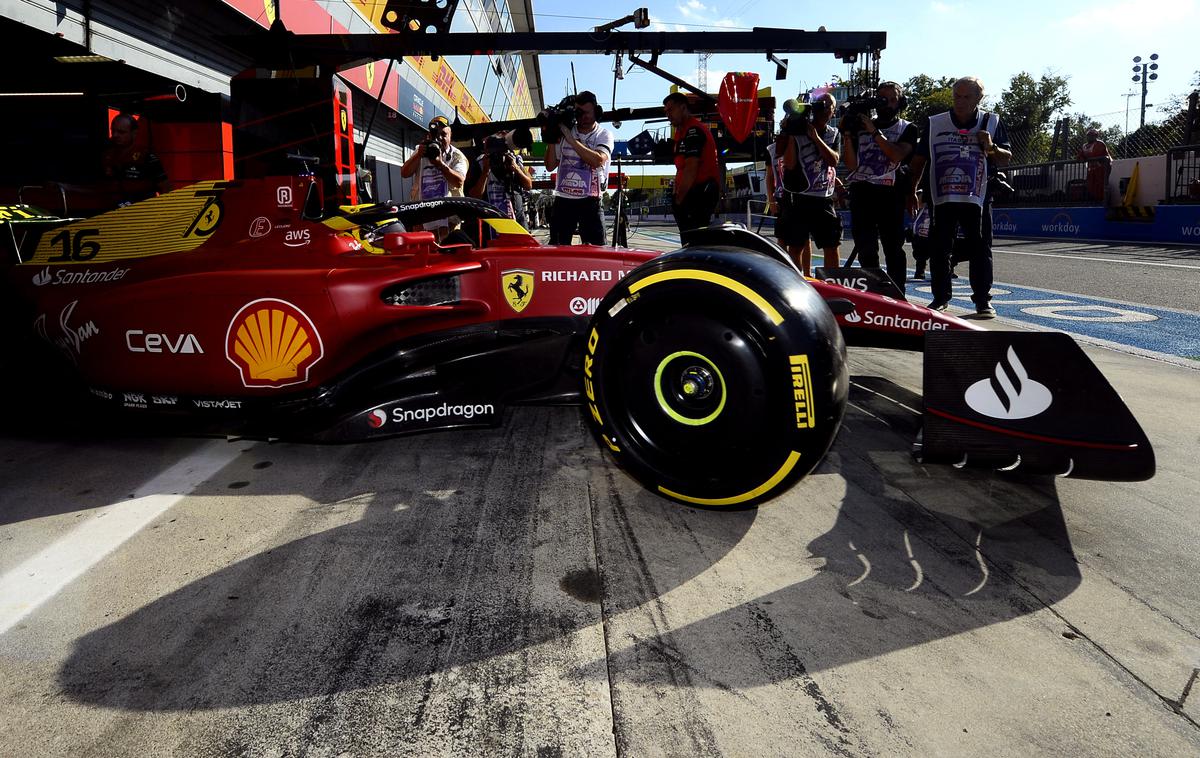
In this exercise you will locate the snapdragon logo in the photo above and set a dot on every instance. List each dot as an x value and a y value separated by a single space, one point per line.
1003 223
433 413
1061 224
1009 393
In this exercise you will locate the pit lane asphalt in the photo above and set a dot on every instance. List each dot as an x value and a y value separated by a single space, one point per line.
509 591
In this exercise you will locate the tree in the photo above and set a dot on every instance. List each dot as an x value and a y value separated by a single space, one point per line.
927 97
1028 107
1176 103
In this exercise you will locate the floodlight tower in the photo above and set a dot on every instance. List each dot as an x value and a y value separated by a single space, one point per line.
1144 73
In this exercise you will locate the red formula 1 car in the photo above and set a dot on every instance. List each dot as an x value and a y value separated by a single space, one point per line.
715 374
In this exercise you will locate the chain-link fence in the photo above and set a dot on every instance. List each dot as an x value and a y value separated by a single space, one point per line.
1043 145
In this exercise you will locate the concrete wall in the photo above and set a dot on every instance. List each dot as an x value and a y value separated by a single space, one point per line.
1152 179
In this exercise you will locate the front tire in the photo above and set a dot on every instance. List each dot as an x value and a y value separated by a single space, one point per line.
716 377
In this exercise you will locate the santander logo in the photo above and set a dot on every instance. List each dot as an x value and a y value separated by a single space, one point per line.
853 317
1009 393
377 418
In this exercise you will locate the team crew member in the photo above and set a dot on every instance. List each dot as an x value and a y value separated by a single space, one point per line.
137 173
810 167
440 176
963 147
696 170
875 150
582 162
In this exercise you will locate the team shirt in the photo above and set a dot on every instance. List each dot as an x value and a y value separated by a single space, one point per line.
576 179
694 140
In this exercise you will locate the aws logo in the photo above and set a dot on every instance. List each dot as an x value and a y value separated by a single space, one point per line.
297 237
272 343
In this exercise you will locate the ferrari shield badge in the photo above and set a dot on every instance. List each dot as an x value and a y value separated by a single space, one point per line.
738 103
517 286
273 344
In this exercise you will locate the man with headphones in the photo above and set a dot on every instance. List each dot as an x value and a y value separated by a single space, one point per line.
582 162
875 151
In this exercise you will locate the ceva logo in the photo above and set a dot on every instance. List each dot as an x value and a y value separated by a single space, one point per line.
1009 393
1062 223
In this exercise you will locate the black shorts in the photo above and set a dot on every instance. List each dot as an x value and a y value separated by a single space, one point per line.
805 216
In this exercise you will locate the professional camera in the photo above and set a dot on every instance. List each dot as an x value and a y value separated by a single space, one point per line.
800 113
431 151
554 116
866 104
498 149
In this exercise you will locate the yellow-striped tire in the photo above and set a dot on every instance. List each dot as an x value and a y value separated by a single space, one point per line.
715 377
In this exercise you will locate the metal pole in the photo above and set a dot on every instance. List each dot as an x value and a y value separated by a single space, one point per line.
1145 86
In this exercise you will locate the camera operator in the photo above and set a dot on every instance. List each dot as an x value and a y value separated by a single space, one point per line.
582 163
875 150
502 176
441 169
696 171
963 148
809 164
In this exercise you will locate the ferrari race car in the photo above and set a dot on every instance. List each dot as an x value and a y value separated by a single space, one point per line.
715 374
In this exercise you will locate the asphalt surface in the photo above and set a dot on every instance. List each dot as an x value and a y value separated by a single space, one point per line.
510 592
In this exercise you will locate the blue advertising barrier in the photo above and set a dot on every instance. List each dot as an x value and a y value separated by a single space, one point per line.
1172 224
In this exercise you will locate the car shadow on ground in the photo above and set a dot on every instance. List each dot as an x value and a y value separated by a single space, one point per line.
508 545
916 554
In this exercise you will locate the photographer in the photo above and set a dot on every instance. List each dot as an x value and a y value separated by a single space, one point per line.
963 148
809 166
696 170
502 176
875 150
441 169
582 163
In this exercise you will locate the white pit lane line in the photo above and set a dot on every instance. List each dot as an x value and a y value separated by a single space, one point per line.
28 585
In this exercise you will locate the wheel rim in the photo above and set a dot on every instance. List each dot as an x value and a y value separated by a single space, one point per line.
693 393
690 388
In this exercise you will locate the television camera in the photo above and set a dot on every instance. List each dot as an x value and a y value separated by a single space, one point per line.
552 117
800 113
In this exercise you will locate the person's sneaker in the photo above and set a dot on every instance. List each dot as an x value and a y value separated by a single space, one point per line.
919 273
953 273
985 311
940 305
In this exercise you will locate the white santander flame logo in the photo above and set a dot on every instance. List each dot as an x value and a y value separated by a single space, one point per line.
853 317
1009 393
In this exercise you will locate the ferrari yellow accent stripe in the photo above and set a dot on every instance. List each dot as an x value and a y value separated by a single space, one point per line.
176 222
506 226
783 471
707 276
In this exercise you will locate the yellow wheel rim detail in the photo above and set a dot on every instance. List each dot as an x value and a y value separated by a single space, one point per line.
662 401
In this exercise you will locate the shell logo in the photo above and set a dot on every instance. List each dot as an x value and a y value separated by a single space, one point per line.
273 344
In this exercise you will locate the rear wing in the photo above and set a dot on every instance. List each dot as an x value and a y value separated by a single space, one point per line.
1027 401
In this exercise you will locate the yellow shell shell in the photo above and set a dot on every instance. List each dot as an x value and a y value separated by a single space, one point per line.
272 344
